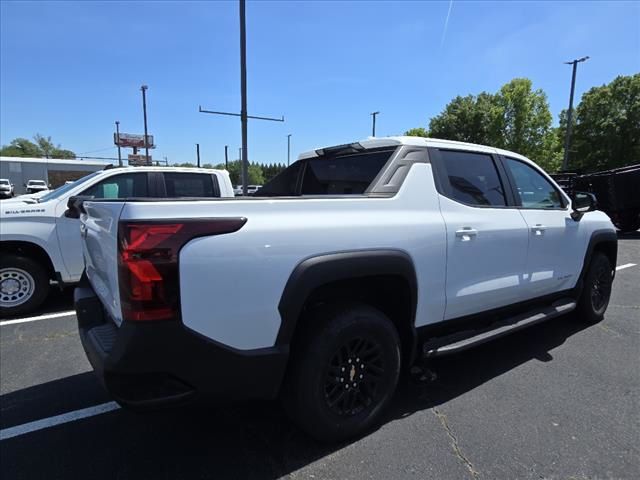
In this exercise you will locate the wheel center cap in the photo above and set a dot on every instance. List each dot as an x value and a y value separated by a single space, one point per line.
9 286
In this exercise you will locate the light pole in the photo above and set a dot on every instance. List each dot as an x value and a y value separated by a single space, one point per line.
198 153
288 150
144 112
226 157
567 138
373 116
118 142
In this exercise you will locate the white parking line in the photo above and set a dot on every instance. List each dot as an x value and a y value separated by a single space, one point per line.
626 265
39 317
57 420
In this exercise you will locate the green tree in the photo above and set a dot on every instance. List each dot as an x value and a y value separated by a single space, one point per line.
606 132
474 119
42 147
185 165
417 132
21 147
235 173
525 121
516 118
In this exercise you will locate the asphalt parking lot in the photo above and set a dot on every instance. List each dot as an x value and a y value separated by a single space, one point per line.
556 401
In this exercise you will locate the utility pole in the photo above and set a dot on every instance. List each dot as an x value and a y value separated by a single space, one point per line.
144 112
198 153
118 142
567 138
288 149
373 115
226 157
244 116
243 94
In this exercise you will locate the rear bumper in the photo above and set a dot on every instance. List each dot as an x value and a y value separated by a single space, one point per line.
157 363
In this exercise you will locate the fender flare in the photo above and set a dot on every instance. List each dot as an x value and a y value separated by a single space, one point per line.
319 270
597 237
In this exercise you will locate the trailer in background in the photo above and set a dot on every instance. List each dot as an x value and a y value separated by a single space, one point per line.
617 191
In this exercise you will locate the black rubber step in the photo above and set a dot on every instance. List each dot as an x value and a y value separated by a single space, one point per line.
449 344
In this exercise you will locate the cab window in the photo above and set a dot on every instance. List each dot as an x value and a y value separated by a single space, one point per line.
120 186
471 178
532 188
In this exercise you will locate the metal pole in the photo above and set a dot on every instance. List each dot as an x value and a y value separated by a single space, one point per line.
288 150
144 112
118 142
243 93
226 157
373 115
198 153
567 138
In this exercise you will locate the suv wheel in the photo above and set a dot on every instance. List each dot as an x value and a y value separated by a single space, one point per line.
597 289
343 371
24 285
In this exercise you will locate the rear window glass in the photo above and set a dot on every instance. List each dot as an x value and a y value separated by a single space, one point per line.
189 185
348 174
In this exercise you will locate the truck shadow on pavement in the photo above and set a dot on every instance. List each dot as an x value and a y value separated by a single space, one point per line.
239 441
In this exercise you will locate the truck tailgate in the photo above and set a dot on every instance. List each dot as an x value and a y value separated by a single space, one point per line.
100 249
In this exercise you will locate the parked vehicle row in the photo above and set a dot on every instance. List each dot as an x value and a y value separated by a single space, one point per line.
40 238
6 188
365 258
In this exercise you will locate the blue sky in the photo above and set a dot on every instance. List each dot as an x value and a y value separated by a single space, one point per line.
70 69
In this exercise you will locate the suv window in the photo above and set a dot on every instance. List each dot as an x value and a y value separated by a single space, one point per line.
472 178
120 186
189 185
533 189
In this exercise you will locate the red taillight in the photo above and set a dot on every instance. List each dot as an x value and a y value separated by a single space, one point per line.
148 263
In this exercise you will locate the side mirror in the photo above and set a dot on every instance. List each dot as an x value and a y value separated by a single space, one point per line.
75 205
582 203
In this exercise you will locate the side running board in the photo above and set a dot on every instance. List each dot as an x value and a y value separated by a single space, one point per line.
453 343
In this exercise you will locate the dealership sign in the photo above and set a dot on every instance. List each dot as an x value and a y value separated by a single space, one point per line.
140 160
132 141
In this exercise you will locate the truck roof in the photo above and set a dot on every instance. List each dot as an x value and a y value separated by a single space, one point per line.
379 142
165 169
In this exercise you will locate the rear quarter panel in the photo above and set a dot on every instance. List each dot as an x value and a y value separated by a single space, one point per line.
230 285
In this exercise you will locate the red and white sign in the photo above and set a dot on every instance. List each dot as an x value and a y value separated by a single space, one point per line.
140 160
132 140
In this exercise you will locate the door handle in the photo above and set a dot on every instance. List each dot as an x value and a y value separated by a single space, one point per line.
538 229
466 233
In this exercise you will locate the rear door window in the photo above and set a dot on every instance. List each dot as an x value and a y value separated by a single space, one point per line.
183 184
471 178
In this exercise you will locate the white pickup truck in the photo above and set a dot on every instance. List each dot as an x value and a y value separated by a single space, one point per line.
354 263
39 242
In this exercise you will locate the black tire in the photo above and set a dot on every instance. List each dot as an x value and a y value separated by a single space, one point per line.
28 277
627 222
596 291
330 391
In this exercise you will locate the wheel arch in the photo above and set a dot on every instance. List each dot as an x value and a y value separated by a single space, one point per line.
29 250
383 278
605 241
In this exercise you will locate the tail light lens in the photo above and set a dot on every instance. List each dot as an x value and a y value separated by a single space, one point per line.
148 263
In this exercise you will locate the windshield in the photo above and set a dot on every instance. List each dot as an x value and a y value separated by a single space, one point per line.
4 182
37 183
65 188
